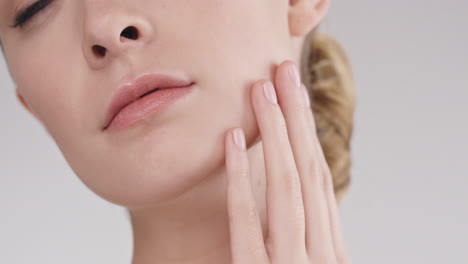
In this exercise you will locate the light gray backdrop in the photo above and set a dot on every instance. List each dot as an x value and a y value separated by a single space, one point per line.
408 202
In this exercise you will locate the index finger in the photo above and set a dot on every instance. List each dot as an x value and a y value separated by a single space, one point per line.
247 245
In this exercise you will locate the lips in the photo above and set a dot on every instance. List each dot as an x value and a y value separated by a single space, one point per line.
140 88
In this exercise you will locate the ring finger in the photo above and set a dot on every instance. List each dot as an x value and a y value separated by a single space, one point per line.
306 149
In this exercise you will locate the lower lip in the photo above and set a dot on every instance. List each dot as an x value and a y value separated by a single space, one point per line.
143 107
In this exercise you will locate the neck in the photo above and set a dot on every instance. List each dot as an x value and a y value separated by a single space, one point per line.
194 227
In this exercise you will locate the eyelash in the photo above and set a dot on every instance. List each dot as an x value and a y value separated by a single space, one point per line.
24 16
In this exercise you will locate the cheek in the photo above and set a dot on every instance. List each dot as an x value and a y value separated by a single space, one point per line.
40 83
232 48
44 65
49 87
237 42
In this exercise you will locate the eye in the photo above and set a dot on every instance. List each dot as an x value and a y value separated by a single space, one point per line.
29 12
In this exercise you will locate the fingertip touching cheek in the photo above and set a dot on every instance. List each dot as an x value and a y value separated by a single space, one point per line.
75 61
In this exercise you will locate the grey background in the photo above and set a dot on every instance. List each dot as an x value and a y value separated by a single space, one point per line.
408 201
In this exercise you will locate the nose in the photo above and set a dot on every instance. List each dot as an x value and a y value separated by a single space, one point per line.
110 34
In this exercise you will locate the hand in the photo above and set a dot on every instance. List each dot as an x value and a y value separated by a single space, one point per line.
302 218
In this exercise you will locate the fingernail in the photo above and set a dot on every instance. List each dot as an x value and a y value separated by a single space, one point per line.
294 74
239 138
269 92
306 95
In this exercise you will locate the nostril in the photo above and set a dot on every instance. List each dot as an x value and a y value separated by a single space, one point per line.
130 32
99 51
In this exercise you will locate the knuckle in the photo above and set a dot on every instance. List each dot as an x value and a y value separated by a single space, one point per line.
327 181
243 207
251 213
299 110
297 236
291 189
313 168
280 123
290 182
311 113
304 112
257 247
320 177
316 174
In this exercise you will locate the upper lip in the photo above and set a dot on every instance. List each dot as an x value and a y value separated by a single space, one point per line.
133 90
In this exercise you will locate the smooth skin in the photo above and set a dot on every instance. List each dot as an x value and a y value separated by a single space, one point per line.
303 224
170 170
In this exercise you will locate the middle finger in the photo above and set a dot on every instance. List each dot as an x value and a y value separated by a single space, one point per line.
286 226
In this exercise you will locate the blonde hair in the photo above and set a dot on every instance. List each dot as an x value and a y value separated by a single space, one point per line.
327 74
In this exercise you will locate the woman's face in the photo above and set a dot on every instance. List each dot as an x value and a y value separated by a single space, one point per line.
221 45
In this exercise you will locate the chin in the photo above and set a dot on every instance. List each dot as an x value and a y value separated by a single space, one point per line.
155 168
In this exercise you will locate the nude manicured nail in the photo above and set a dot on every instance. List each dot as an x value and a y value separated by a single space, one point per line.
270 93
239 138
294 74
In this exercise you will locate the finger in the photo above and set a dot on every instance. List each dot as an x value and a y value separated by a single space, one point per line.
247 245
301 129
284 198
340 251
335 227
